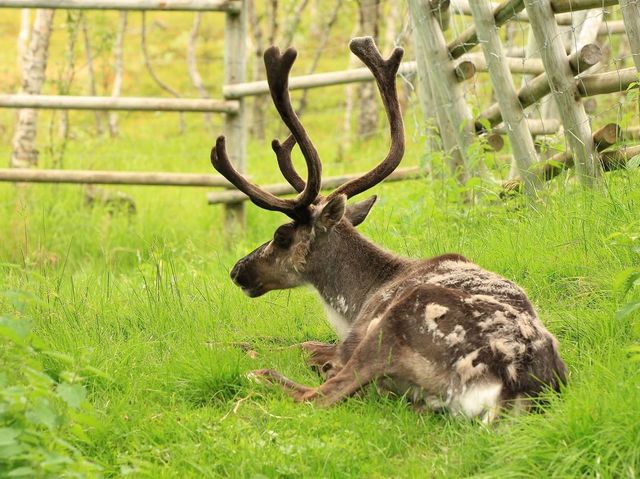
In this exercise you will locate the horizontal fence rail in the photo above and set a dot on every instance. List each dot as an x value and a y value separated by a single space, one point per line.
168 5
235 196
17 175
316 80
62 102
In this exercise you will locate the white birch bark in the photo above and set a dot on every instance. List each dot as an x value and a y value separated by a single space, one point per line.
23 36
24 152
91 73
118 69
369 18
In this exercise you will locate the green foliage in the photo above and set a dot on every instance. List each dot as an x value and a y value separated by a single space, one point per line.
44 423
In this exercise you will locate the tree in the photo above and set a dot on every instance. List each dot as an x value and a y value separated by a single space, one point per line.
24 152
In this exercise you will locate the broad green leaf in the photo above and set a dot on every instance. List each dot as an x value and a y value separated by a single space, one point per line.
8 436
72 394
22 472
625 280
633 163
14 329
10 451
42 413
627 310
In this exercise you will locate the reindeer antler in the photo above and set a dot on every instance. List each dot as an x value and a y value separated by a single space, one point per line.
384 72
283 155
278 67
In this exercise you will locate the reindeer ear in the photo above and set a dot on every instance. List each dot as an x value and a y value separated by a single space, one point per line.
357 212
332 212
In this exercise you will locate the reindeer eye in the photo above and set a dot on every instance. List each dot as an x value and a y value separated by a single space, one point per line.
283 236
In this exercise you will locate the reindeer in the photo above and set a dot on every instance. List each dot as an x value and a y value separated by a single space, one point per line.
442 331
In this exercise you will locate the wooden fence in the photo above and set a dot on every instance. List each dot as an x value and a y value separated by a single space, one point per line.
441 65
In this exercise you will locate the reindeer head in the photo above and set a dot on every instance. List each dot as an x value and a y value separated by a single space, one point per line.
281 262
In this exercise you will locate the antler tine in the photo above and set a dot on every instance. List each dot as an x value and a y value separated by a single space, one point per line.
278 67
384 72
283 154
262 198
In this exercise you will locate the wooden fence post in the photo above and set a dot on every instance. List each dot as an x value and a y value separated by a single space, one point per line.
234 123
631 16
564 89
447 92
524 151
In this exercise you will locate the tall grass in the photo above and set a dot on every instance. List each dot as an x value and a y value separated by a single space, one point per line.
146 302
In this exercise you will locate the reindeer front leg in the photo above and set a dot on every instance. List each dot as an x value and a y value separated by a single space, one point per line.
367 363
323 358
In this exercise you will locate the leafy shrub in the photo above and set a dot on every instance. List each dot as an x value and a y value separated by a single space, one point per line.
44 422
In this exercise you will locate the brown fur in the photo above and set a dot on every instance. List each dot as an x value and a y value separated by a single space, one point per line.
442 331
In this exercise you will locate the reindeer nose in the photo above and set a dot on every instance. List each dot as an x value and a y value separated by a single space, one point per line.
235 272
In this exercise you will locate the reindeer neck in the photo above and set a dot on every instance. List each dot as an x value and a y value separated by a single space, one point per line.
347 268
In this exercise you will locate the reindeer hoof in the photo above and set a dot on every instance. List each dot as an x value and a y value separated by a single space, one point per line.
261 376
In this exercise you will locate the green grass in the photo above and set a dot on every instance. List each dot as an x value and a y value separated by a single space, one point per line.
147 302
138 313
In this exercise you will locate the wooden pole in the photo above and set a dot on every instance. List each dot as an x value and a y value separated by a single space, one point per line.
304 82
566 6
331 182
447 93
66 102
234 123
524 151
539 86
537 127
168 5
31 175
566 94
631 16
607 82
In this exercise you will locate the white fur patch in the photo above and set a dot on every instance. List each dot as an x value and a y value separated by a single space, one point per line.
479 398
374 322
340 324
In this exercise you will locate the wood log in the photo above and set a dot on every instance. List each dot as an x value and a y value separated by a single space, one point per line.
539 86
447 93
532 66
566 6
66 102
464 70
610 160
33 175
316 80
632 133
548 126
524 151
631 16
603 138
607 82
617 159
235 125
469 37
561 79
167 5
235 196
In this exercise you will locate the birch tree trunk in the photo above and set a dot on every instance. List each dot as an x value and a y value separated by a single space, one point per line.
324 37
24 152
91 73
369 18
119 70
68 73
23 36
